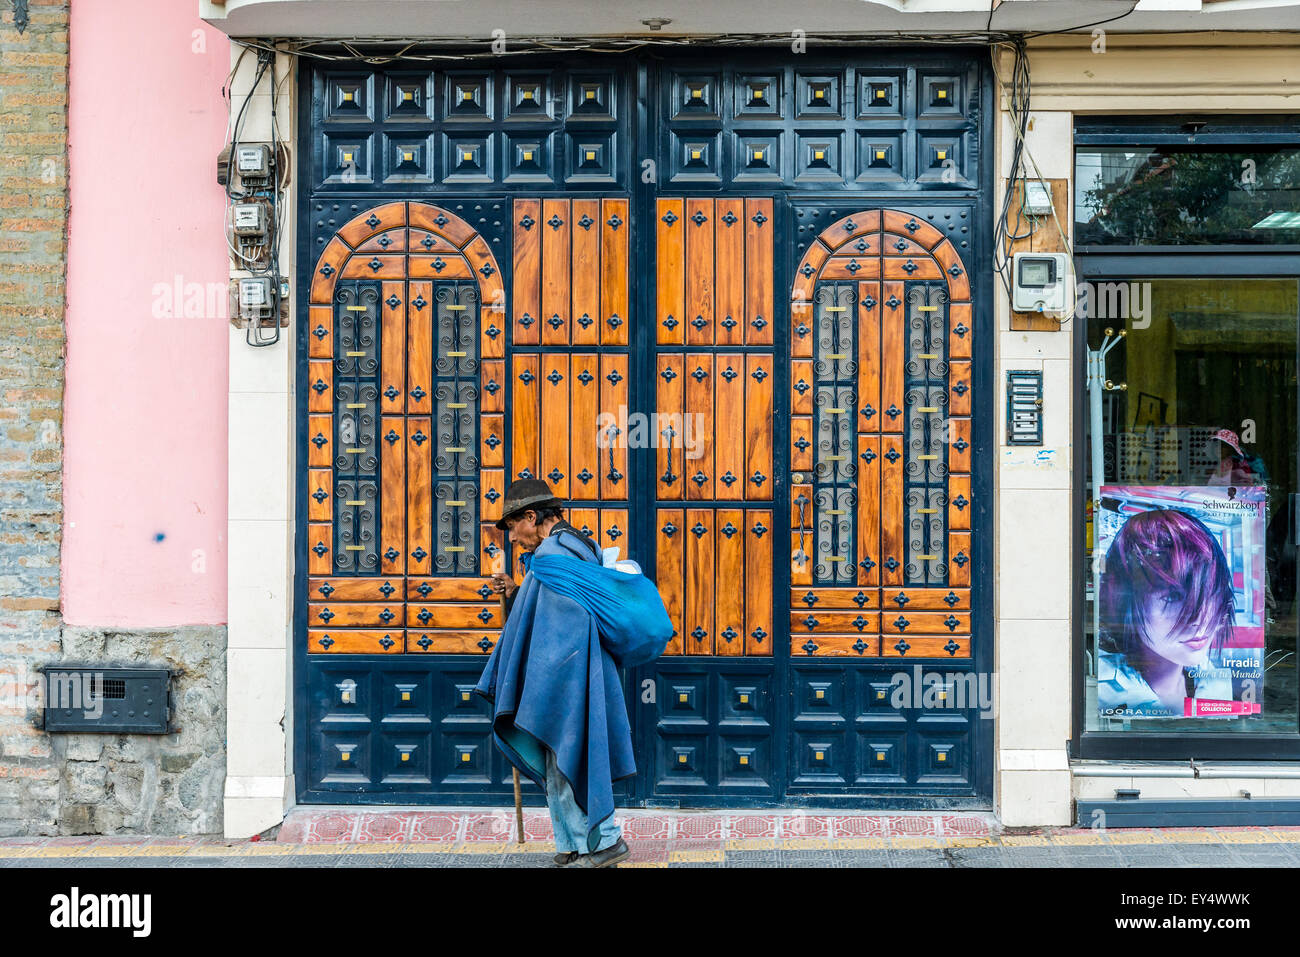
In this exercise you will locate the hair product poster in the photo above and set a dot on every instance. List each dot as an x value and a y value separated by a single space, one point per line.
1180 593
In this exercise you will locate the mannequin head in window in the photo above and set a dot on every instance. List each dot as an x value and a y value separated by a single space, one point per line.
1166 592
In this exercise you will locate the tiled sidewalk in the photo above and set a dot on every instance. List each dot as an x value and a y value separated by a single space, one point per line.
323 837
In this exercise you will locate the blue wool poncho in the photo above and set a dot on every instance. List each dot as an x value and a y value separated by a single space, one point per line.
552 684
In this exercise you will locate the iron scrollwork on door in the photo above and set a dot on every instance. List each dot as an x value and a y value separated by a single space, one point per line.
356 443
835 370
456 448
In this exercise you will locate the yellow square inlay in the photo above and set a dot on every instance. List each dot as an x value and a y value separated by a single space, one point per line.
406 696
820 755
528 156
821 692
758 93
880 695
347 697
696 93
466 155
819 154
347 97
464 758
591 94
681 759
819 94
591 154
880 154
941 154
408 95
744 699
345 756
942 94
943 755
406 755
880 755
408 156
467 94
696 154
758 154
744 759
682 698
880 94
464 696
347 157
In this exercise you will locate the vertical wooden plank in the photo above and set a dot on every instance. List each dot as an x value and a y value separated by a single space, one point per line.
959 503
494 553
584 454
554 463
759 424
960 331
868 414
801 443
320 495
730 583
670 385
419 496
759 578
419 350
526 283
670 271
892 549
893 337
320 441
524 416
802 324
392 344
699 272
613 396
697 426
801 387
587 521
614 273
700 594
320 388
868 517
803 534
613 530
492 444
492 486
729 259
728 417
556 259
670 570
760 276
320 548
320 332
492 397
586 272
959 558
392 496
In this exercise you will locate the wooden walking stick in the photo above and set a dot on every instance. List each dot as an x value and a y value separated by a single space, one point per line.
514 771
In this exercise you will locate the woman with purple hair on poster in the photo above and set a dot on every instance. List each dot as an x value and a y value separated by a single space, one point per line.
1166 616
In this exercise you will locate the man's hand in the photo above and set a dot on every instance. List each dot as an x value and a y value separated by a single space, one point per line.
504 584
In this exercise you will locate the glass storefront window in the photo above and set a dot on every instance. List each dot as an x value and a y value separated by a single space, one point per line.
1186 195
1191 528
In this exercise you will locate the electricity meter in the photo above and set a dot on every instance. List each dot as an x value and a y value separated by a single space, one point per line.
253 162
254 297
1039 282
250 220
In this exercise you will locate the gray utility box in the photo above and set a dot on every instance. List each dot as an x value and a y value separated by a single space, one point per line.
104 700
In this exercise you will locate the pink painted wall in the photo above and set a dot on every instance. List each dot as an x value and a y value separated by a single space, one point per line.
145 408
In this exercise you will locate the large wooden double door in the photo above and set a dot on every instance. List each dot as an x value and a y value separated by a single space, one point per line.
767 397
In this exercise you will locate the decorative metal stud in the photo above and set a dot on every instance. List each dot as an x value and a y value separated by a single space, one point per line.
555 222
859 646
393 301
952 621
901 598
671 323
419 302
699 322
669 217
728 479
728 323
418 393
893 302
758 478
699 375
961 445
419 554
391 437
759 218
318 440
614 222
326 589
811 623
860 622
670 529
392 554
320 495
810 646
419 438
698 529
729 530
320 548
699 478
698 218
699 634
327 270
319 386
527 222
372 221
868 456
326 616
952 647
668 374
758 634
810 599
527 377
614 378
424 589
484 616
801 387
585 320
729 218
893 456
758 322
554 377
485 643
951 599
492 441
960 502
759 529
386 616
759 374
375 264
902 647
391 392
555 475
912 225
439 264
320 332
586 221
891 563
961 559
900 623
730 633
860 599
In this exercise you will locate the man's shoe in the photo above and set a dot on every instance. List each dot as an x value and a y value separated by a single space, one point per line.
610 855
566 859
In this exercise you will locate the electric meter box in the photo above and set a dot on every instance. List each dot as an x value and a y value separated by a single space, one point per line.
254 295
250 219
1039 282
253 162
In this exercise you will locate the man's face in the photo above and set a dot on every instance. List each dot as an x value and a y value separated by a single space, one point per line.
523 531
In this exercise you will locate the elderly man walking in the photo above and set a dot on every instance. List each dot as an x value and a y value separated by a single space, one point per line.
557 702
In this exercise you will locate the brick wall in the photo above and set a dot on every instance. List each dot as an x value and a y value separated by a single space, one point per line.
33 245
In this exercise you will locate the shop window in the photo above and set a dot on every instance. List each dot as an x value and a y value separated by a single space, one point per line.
1188 435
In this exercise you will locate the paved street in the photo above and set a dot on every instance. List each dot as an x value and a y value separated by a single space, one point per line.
431 838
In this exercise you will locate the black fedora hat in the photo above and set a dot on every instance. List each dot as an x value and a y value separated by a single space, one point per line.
524 494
